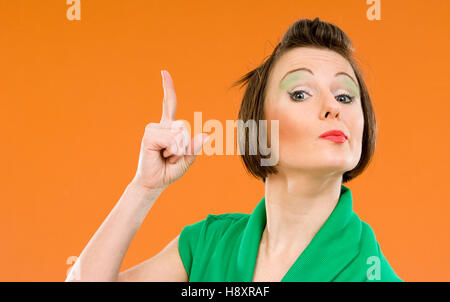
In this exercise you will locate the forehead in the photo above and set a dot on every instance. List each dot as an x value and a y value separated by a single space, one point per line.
320 61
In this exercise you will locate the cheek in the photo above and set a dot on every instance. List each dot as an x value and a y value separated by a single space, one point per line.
356 128
292 126
357 125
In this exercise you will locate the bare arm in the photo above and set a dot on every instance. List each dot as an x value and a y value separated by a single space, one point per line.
165 266
166 153
102 257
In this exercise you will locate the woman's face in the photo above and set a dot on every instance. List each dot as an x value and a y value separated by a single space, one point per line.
308 103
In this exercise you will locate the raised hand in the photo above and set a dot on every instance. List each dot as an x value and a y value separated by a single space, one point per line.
167 150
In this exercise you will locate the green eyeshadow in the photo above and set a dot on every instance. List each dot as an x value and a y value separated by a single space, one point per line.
296 76
292 78
350 85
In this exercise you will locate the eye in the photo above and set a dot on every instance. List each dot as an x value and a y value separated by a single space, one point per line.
349 97
297 93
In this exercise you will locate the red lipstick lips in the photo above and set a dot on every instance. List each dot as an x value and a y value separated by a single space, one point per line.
336 136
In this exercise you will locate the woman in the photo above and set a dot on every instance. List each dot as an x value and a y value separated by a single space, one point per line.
304 228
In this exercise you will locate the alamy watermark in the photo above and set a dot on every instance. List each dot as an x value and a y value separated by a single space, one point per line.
374 11
251 135
373 272
74 10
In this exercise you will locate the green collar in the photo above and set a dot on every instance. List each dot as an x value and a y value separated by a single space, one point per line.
334 246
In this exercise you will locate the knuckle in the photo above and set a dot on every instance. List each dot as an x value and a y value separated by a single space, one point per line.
174 148
173 128
175 145
178 148
178 125
151 126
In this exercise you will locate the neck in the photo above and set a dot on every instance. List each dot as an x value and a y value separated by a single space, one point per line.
297 205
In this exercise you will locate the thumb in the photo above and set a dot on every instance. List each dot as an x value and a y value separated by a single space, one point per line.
197 144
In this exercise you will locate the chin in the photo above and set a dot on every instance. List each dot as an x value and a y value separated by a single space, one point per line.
325 167
320 161
336 165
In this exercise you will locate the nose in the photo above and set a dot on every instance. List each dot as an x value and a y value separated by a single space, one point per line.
330 107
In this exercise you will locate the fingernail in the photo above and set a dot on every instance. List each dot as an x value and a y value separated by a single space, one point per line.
163 84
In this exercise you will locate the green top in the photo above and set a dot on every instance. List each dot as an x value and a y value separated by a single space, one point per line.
224 248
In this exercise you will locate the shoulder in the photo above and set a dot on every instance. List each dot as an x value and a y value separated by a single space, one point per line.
379 268
227 218
215 223
200 238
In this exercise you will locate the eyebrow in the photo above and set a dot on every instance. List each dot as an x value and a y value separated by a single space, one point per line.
308 70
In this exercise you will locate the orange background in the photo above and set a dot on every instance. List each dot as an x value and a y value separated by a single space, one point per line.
77 95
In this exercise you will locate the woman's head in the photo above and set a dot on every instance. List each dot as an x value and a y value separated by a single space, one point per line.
311 84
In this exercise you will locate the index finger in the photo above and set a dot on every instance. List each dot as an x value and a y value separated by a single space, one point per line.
170 98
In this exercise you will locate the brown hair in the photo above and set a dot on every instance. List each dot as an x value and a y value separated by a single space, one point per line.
303 33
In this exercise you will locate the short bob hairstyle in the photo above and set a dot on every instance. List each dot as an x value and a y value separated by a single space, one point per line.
303 33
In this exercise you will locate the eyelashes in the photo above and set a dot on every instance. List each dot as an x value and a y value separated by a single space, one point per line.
295 93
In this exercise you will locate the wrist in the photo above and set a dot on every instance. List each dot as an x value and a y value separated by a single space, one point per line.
143 190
